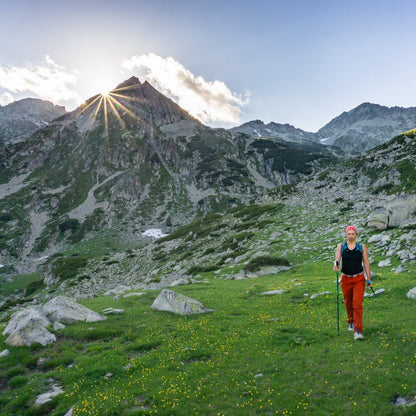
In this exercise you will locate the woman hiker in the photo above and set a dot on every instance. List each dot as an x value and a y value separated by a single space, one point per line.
353 255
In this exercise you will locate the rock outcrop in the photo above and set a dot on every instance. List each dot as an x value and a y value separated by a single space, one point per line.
396 213
67 310
29 325
177 303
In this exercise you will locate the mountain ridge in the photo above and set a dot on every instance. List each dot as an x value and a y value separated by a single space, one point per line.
358 130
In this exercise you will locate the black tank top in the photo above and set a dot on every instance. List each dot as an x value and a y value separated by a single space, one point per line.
352 261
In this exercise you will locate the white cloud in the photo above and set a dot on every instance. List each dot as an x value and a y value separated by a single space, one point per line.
6 98
46 80
209 101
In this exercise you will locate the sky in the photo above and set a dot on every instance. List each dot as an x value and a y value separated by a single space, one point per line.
226 62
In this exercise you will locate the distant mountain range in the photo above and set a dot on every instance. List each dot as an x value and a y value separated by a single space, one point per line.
358 130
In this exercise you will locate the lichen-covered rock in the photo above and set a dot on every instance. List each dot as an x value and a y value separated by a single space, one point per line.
378 221
177 303
273 292
67 310
27 327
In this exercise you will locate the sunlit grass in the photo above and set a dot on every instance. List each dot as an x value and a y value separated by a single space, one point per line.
253 355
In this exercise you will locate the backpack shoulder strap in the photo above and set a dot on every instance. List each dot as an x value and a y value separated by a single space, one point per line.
358 246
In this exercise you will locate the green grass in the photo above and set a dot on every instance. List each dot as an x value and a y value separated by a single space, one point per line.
18 284
255 355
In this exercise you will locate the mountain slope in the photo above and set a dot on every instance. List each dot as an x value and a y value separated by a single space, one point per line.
131 161
257 129
20 119
367 126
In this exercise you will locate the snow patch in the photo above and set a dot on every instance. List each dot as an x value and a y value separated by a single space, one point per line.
42 258
154 232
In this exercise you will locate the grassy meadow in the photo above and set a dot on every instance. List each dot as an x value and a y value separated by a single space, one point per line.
254 355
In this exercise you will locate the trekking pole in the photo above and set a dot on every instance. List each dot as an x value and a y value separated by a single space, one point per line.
371 287
337 305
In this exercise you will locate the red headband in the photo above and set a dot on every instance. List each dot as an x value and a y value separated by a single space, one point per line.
351 227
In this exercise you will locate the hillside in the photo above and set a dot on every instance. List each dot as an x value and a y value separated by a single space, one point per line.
254 354
128 162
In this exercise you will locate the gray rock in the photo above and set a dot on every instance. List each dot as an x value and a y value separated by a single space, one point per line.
127 295
371 294
27 327
405 255
67 310
177 303
400 269
57 326
271 270
117 290
47 397
411 294
379 238
315 295
378 221
401 209
4 353
113 311
70 411
179 282
273 292
384 263
403 401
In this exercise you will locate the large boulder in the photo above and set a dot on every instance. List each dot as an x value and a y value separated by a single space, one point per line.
27 327
66 310
177 303
396 213
401 209
378 221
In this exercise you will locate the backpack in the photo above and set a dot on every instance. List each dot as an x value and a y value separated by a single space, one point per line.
358 247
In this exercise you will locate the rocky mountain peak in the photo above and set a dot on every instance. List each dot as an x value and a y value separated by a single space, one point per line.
20 119
32 109
131 82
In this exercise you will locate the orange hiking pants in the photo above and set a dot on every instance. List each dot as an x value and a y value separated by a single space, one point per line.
353 289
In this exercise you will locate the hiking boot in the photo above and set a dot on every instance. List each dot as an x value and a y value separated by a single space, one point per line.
358 335
350 327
